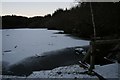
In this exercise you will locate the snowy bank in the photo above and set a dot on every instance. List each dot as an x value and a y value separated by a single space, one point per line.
73 71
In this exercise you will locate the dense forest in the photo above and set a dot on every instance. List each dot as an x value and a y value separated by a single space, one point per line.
76 20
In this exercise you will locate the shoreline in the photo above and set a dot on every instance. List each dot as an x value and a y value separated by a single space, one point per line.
72 72
47 61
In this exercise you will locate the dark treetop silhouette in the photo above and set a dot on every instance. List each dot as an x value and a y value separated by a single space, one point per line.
76 20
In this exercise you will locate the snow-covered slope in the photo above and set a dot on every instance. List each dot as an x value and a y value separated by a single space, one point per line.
107 71
72 71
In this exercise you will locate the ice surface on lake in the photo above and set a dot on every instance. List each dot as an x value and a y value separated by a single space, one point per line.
22 43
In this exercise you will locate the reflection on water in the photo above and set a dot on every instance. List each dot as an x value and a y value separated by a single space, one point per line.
22 43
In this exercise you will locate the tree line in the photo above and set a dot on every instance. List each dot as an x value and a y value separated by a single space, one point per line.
76 20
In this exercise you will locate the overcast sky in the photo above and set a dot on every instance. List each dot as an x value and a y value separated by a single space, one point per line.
36 7
29 8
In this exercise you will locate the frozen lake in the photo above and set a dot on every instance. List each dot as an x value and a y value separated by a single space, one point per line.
21 43
18 44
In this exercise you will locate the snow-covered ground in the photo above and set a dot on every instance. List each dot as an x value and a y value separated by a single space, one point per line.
72 71
61 72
